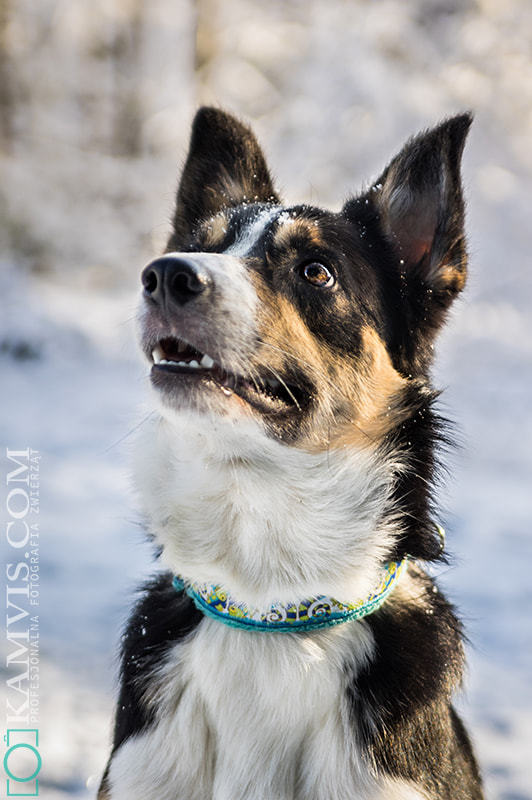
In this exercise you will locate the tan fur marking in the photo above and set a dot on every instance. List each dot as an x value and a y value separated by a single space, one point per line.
301 228
213 231
452 276
286 337
410 592
378 385
357 400
103 793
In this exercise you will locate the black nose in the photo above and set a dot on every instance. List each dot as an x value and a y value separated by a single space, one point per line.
174 280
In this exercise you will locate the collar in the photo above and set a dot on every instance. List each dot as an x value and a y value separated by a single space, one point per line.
311 614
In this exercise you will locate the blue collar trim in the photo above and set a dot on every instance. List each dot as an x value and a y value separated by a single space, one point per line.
312 614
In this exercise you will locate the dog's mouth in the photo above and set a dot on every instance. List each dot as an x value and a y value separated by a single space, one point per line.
267 392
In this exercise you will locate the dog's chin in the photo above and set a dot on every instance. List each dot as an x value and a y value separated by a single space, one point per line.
206 392
186 378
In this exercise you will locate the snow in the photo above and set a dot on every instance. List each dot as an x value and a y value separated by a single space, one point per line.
332 90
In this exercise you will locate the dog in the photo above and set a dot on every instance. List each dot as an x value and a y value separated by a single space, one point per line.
293 647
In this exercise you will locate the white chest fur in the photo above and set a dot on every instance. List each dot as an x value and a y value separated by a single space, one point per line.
271 523
247 716
254 716
258 716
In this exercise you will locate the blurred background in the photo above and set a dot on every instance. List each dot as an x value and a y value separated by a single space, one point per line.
96 100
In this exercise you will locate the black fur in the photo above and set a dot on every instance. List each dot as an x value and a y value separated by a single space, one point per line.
161 618
224 169
402 702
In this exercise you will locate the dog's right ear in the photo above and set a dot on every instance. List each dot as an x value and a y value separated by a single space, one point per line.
225 167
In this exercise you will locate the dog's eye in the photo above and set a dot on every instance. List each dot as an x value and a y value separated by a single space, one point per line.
317 274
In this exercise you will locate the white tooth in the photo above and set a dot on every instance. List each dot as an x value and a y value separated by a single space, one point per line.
181 363
207 362
163 361
193 364
157 355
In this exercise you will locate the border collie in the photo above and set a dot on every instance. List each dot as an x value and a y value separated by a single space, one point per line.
293 646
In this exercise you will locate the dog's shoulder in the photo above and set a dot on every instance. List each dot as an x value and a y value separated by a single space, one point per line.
402 702
161 618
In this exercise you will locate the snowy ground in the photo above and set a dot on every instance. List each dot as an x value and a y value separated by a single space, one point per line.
72 387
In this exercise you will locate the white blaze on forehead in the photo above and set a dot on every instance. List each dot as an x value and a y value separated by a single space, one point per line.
252 233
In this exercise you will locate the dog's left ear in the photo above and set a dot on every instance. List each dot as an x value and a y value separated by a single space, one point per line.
225 167
420 210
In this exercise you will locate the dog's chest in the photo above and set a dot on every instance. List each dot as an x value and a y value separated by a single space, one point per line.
250 716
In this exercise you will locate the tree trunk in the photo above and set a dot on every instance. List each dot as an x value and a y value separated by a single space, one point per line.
7 88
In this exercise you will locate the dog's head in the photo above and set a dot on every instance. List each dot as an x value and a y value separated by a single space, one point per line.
316 326
309 321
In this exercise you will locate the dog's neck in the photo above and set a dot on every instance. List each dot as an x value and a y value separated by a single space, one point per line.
232 507
310 614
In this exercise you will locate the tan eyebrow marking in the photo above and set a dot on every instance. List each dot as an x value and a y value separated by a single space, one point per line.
214 231
290 230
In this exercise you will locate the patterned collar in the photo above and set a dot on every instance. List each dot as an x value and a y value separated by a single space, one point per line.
311 614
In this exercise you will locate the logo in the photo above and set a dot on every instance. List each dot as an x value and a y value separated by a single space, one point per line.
22 762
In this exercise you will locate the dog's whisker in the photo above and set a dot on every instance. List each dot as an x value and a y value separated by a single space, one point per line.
288 390
130 432
300 361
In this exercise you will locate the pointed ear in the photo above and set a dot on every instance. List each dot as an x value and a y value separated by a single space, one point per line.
224 168
421 208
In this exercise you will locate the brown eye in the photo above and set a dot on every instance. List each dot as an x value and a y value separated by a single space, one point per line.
318 275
